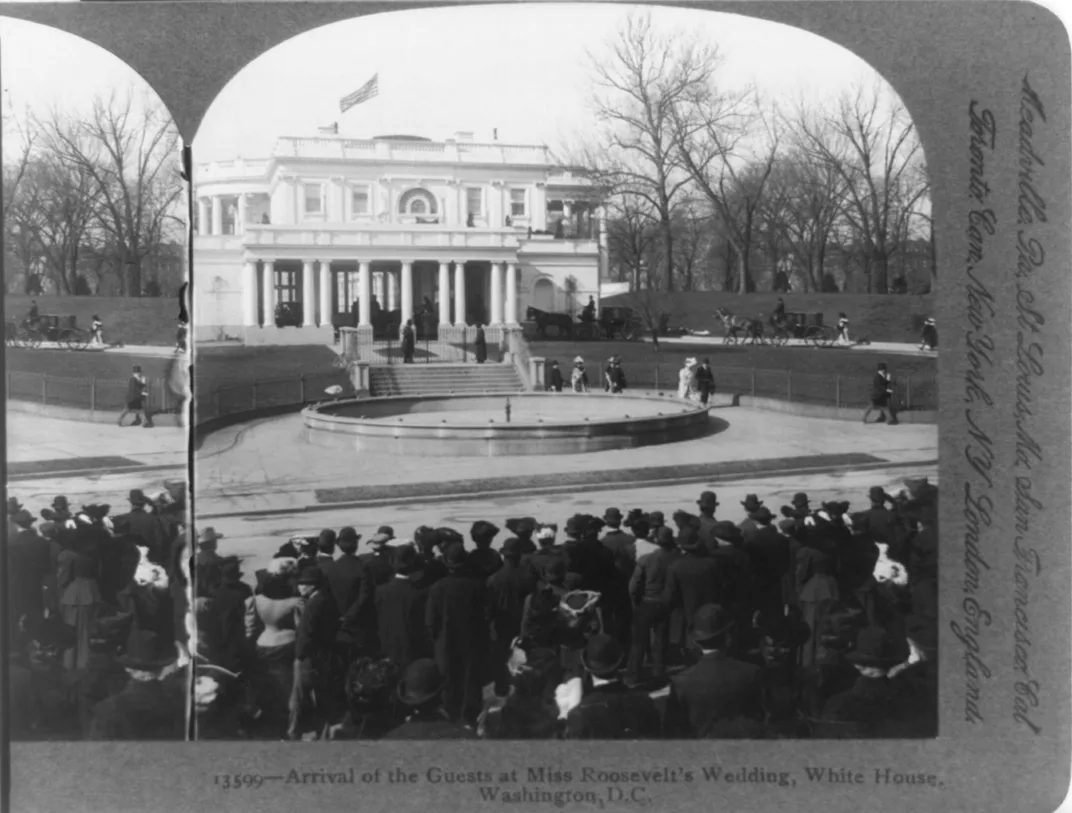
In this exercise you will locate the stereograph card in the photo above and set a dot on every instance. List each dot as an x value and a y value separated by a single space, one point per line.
371 227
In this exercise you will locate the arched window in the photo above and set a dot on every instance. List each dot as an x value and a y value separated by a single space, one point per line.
417 202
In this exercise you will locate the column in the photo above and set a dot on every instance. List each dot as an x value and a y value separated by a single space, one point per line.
243 214
268 292
538 214
444 294
217 215
377 288
325 293
249 294
407 290
496 294
511 294
392 291
308 283
364 284
459 292
203 225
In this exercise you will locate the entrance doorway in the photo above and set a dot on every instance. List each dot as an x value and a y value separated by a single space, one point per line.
543 295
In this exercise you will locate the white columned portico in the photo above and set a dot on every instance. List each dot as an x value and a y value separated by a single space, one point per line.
325 293
249 294
444 294
268 292
243 214
203 224
217 215
511 294
407 290
392 291
308 295
496 294
364 283
459 292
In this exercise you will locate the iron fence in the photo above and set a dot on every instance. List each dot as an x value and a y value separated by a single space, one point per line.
913 392
215 399
98 394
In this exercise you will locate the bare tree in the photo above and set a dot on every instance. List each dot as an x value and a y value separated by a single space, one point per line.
647 76
728 146
874 150
133 156
632 230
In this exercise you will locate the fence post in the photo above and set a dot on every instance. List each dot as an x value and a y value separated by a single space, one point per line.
93 394
44 389
217 393
656 376
753 382
789 384
908 392
838 392
254 392
301 378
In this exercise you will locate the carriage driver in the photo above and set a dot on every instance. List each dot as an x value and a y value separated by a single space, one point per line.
33 316
778 317
589 312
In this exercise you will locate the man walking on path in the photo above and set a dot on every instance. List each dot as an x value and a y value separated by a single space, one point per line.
882 395
137 395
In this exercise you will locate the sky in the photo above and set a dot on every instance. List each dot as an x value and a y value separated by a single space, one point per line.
520 69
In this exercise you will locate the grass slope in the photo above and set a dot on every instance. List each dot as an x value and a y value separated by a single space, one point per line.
131 320
876 318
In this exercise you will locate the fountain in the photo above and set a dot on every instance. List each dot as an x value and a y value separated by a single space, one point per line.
536 423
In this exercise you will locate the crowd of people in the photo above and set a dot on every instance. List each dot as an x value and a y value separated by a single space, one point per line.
815 622
97 619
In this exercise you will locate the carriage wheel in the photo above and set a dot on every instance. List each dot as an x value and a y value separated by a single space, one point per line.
76 341
815 336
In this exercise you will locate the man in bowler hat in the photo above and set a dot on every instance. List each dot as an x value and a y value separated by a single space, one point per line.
421 690
707 504
508 588
748 526
312 701
400 606
610 710
651 616
344 578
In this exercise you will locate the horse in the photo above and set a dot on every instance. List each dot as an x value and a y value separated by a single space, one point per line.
753 328
561 321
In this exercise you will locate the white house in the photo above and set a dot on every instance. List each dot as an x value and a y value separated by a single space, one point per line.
364 232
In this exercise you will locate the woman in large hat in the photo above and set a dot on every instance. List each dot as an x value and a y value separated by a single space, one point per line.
579 376
78 566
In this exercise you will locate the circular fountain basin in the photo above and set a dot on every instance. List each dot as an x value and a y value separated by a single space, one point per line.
476 425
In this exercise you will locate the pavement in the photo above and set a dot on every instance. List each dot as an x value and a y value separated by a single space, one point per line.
897 348
277 465
158 351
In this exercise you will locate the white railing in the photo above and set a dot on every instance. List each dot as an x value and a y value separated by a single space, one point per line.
236 168
380 235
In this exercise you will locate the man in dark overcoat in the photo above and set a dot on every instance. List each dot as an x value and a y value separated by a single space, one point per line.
748 525
344 579
401 604
523 528
715 690
147 528
325 548
315 687
651 616
484 560
377 569
457 621
707 504
507 590
425 540
207 544
622 547
421 689
621 544
610 710
693 580
28 566
768 552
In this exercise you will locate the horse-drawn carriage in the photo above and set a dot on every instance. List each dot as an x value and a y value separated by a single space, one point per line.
613 323
61 328
807 327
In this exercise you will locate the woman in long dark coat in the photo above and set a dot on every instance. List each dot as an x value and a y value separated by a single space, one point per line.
409 342
80 599
481 345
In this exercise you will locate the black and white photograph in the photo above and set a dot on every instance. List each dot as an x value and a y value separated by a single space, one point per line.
94 235
612 417
563 378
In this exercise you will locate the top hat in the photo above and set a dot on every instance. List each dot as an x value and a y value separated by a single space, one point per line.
147 652
751 503
762 515
137 497
13 505
727 532
379 539
483 530
208 536
664 538
406 560
388 530
710 621
422 681
873 648
511 547
800 500
602 656
455 556
311 575
24 519
707 500
878 494
612 515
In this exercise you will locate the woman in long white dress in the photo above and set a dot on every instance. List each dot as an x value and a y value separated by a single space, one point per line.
684 378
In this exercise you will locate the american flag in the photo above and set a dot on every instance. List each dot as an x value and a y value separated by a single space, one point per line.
363 94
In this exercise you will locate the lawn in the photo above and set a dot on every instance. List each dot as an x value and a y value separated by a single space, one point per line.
806 374
131 320
875 318
236 379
